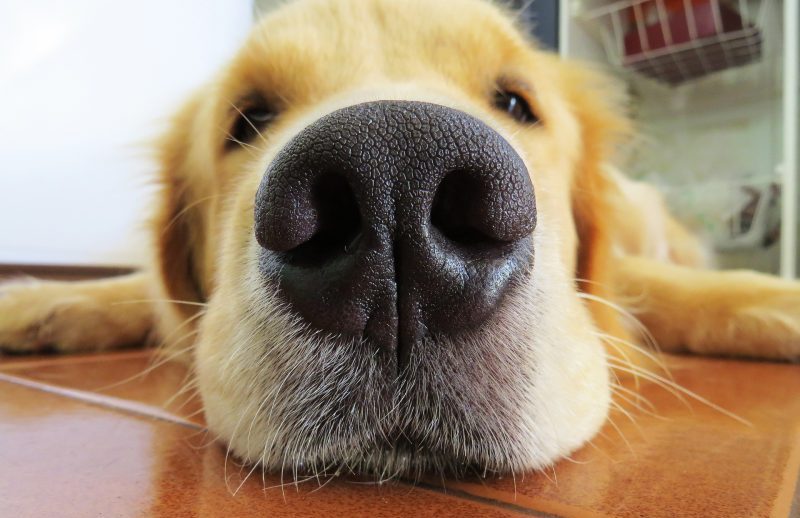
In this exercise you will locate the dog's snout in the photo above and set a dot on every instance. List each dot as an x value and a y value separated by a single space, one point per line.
395 221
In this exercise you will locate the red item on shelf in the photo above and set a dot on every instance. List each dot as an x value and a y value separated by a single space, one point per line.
653 37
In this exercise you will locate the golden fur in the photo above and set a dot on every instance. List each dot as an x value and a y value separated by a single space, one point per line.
597 248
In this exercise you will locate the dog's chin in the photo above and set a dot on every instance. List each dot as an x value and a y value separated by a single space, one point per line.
516 394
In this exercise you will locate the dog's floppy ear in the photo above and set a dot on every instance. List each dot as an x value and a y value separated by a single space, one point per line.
599 105
177 225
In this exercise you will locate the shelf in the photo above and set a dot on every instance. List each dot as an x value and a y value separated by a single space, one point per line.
676 42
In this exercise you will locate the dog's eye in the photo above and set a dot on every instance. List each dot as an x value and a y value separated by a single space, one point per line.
515 106
249 124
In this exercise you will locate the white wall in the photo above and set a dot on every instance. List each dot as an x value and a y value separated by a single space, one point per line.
84 85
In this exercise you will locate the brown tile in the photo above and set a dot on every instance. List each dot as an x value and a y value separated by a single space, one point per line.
16 361
62 457
139 376
692 461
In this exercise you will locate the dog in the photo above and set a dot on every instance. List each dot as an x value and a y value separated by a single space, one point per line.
389 237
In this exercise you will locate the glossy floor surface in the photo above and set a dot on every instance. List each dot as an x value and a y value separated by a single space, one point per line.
93 436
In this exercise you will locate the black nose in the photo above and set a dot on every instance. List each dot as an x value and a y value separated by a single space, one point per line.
396 221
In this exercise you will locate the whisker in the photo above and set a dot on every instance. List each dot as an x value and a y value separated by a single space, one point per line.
186 387
649 376
617 381
514 480
151 301
164 354
635 396
158 359
616 406
255 465
187 208
330 478
251 149
283 468
543 472
165 341
261 135
580 280
663 382
203 445
654 357
621 435
648 336
555 477
283 484
195 413
599 450
149 369
230 442
624 354
569 458
636 405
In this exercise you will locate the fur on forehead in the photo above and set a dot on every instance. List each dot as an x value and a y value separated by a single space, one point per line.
300 53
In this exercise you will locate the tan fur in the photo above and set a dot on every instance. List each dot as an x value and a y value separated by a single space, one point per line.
642 225
75 316
739 313
315 56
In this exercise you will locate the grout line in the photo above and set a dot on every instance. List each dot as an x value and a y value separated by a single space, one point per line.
152 412
543 506
107 402
492 502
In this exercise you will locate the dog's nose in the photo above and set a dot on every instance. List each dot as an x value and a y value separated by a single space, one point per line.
397 222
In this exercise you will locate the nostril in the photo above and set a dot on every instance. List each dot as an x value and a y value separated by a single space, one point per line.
338 223
456 210
375 226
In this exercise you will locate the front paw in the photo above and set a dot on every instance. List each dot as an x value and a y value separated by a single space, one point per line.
68 316
774 321
24 314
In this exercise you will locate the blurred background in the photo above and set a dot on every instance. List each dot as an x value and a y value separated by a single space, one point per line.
86 85
714 89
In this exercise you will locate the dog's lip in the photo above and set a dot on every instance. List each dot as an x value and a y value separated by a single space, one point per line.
397 334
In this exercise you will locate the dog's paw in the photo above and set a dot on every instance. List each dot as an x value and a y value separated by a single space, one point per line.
61 316
747 314
37 315
772 321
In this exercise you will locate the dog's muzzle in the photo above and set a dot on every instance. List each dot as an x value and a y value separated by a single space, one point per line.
395 222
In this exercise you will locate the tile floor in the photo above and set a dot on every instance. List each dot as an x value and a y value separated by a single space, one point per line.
89 436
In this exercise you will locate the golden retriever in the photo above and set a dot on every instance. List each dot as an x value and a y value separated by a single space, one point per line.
389 237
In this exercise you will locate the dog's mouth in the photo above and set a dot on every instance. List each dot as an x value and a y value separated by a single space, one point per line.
395 221
454 408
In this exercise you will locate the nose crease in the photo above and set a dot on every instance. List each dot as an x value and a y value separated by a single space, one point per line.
441 207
